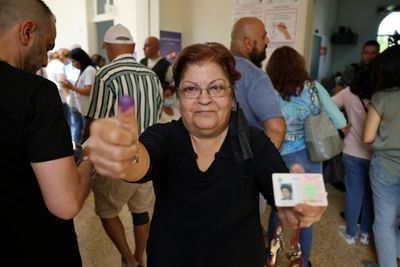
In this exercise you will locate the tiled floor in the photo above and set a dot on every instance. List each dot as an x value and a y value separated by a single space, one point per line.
329 249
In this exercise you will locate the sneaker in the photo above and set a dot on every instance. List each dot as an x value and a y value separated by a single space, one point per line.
365 238
350 240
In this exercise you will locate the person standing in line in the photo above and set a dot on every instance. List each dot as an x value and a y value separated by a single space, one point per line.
56 73
98 60
254 91
155 62
169 112
124 76
382 131
356 160
369 51
80 91
41 187
289 75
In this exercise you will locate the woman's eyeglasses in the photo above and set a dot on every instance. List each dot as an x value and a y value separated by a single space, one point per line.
216 88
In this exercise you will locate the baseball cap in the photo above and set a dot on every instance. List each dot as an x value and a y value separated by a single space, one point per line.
118 34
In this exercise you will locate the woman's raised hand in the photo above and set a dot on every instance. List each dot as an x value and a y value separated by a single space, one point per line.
113 143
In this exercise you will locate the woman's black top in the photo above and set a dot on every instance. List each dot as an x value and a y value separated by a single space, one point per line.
207 218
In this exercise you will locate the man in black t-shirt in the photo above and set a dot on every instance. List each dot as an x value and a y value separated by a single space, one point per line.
41 188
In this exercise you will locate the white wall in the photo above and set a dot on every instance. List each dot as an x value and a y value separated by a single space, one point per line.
304 28
72 23
172 15
210 20
324 26
76 21
199 21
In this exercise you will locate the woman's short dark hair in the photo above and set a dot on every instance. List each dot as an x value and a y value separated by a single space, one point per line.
98 60
385 69
361 84
287 70
82 57
288 187
204 53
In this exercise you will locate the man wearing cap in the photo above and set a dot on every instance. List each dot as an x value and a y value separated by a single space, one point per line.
155 62
124 76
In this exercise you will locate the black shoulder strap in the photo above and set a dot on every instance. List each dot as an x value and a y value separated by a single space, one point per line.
240 136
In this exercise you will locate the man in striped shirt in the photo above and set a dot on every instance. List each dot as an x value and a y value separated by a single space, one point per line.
124 76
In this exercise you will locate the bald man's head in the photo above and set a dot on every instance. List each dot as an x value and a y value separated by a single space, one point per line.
246 27
249 39
151 47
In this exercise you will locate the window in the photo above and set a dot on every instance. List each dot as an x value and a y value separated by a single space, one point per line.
388 28
102 6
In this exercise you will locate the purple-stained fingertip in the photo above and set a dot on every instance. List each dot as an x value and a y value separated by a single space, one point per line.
125 102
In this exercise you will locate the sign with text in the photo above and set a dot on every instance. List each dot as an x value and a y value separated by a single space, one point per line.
170 45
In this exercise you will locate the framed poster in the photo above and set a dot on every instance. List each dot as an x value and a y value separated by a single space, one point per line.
279 16
170 45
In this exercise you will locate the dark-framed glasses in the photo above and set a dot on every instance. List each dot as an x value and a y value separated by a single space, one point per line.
216 88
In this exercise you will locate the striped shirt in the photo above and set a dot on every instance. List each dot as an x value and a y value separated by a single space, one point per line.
125 76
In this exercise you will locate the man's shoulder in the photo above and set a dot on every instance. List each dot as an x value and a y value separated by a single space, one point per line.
247 68
165 61
124 64
18 77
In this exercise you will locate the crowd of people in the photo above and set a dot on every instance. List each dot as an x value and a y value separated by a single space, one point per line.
198 142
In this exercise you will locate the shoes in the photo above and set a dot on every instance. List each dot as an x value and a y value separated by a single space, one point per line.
350 240
365 238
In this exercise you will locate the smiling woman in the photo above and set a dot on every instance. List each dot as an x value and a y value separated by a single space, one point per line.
206 185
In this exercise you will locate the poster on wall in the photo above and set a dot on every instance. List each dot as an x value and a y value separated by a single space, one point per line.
170 45
279 16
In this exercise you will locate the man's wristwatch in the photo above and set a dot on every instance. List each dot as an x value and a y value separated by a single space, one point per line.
79 154
84 158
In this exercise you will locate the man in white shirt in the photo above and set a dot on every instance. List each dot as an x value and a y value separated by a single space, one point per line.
56 73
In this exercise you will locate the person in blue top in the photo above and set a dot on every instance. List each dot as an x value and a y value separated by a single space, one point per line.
287 70
254 90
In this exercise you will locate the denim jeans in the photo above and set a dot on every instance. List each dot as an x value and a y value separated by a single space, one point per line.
299 157
358 198
386 199
67 113
77 125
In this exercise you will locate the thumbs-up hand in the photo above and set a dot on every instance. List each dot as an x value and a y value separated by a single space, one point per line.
113 142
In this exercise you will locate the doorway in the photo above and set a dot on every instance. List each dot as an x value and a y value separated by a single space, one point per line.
101 28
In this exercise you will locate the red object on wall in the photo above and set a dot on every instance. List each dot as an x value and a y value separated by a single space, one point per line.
323 50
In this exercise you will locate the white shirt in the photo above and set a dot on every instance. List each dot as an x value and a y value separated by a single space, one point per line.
80 101
54 69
